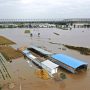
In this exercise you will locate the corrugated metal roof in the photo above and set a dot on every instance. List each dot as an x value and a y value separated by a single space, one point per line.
26 51
30 56
49 64
41 50
72 62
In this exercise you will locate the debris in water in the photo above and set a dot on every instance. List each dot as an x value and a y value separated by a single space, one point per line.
41 73
56 33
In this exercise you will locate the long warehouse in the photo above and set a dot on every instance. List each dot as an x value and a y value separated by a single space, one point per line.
71 64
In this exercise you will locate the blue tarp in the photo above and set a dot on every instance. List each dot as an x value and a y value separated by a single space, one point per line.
72 62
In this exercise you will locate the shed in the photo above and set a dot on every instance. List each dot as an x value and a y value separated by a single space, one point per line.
34 59
50 67
39 51
71 64
30 56
26 51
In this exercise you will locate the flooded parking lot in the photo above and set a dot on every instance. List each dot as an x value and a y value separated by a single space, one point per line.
24 73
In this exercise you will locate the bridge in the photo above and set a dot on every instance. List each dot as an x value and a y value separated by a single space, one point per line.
71 20
29 20
77 20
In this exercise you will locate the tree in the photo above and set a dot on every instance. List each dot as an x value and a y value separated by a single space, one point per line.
62 76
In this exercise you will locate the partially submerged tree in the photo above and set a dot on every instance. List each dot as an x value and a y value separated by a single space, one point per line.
62 76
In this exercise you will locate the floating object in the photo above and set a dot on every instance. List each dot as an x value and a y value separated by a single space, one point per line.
41 73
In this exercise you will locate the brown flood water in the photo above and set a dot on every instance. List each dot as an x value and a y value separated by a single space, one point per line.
24 74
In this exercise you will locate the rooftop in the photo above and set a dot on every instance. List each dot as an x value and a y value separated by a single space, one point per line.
49 64
72 62
41 50
31 56
26 51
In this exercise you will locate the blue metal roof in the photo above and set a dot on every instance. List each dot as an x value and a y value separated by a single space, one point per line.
41 50
72 62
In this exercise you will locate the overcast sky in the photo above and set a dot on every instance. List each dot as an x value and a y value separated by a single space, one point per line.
40 9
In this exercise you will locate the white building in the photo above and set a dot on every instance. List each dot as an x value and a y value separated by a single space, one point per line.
50 67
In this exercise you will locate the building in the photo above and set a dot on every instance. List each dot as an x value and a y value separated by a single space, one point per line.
26 52
40 51
71 64
45 64
50 67
32 57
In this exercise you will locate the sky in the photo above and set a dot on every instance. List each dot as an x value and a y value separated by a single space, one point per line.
44 9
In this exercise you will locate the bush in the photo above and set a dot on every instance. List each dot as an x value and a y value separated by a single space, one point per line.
62 76
27 31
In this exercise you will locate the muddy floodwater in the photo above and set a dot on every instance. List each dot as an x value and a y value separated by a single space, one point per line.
23 73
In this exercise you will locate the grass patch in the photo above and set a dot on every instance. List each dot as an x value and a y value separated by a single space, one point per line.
10 53
5 41
27 31
82 50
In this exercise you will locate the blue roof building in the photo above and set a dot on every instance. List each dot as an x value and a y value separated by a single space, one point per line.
69 63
